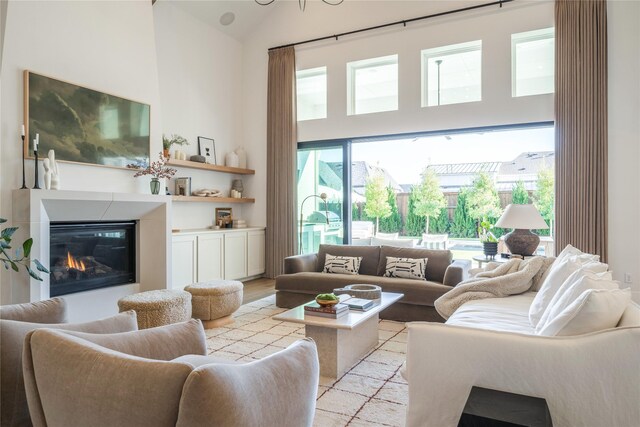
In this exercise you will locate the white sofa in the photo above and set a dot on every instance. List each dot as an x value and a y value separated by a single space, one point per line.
587 380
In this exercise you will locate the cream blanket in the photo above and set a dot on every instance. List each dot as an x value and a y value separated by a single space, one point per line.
513 277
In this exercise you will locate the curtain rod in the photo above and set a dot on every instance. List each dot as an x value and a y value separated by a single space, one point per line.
404 23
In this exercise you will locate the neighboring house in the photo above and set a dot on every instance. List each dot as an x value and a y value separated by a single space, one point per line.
361 171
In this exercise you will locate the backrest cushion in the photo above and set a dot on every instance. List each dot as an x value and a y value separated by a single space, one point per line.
83 384
12 334
439 260
279 390
594 310
53 310
631 315
370 256
399 243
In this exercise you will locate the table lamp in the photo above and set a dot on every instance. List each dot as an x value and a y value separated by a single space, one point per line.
522 218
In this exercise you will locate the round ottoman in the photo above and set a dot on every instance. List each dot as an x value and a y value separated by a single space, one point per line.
215 301
158 308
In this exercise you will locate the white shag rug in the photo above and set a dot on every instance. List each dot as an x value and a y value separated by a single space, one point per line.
371 394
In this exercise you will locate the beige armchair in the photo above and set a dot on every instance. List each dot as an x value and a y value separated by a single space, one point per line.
146 378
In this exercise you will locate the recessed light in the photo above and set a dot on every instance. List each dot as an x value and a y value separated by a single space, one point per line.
227 18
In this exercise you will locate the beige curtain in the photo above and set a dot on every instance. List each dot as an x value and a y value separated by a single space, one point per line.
282 142
581 125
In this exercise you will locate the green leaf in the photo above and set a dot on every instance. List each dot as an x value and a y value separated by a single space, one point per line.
26 247
4 245
40 267
14 266
2 220
34 274
8 232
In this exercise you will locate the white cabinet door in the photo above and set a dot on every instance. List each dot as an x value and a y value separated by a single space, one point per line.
185 257
235 255
210 257
255 253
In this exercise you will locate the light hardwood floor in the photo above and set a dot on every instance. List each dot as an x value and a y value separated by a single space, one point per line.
258 289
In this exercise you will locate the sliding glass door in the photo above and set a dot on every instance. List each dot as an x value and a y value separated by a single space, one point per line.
321 184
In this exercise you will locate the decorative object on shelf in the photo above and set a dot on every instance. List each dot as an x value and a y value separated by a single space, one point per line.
360 291
231 160
327 300
21 257
488 239
168 142
80 123
179 155
242 158
36 141
301 3
239 223
224 217
207 148
235 194
323 197
237 185
522 218
198 158
183 186
24 181
207 193
157 170
166 191
51 172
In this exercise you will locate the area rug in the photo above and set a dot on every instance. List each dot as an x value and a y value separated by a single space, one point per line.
371 394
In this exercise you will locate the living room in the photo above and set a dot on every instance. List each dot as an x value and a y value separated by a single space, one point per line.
202 70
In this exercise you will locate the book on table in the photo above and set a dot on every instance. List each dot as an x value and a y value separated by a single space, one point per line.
360 304
333 311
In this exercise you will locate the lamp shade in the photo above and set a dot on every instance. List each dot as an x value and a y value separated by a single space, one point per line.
523 217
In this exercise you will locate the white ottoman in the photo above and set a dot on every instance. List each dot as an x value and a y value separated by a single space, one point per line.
158 308
215 301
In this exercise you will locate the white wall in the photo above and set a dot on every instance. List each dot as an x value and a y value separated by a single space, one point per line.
493 25
624 141
200 74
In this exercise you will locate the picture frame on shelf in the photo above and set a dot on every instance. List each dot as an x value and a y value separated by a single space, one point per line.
207 149
224 217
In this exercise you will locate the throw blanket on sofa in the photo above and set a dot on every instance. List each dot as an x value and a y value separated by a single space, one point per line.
513 277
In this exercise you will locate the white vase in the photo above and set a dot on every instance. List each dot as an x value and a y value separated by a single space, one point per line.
231 160
242 158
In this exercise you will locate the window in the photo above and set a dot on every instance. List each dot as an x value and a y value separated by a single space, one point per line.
532 62
311 88
372 85
452 74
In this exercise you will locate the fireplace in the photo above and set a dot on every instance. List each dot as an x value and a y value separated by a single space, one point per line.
91 255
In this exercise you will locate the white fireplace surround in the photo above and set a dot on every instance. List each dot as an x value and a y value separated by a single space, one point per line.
34 210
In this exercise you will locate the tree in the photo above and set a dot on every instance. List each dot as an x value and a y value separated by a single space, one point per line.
413 224
429 199
392 223
375 191
463 225
544 196
519 194
441 224
482 200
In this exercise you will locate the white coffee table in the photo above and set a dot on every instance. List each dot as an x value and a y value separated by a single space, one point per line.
341 342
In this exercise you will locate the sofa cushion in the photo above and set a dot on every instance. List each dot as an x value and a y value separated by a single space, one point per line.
509 314
53 310
419 292
370 256
408 268
439 260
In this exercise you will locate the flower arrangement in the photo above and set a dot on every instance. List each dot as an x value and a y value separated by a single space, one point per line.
174 140
484 232
156 169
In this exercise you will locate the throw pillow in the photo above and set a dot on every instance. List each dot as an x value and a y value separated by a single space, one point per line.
407 268
560 271
594 310
342 264
581 280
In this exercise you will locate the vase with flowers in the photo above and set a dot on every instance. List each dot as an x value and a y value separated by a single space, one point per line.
173 140
157 170
488 239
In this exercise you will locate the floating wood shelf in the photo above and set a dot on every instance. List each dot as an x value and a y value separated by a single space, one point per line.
208 167
212 199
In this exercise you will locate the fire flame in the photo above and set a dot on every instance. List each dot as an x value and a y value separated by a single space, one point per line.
73 263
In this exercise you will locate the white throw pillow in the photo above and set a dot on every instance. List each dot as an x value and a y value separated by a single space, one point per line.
581 280
566 252
407 268
342 264
559 272
594 310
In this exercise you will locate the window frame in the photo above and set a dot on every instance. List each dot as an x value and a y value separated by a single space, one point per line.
354 66
525 37
314 72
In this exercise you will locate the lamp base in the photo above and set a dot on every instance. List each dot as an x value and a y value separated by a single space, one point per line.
522 242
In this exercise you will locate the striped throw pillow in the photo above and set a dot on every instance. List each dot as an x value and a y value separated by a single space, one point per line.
342 264
406 268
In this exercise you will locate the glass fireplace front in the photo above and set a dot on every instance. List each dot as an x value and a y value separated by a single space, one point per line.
85 256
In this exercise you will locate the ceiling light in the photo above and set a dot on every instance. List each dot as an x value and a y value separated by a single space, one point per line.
227 18
301 3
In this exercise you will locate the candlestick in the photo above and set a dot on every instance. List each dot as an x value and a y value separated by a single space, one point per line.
22 132
36 142
36 186
24 182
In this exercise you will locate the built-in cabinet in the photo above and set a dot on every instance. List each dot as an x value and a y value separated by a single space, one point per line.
201 255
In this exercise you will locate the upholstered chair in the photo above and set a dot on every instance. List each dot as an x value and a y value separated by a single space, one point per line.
145 378
18 320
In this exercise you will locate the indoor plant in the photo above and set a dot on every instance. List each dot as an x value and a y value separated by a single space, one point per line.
21 257
488 239
157 170
168 142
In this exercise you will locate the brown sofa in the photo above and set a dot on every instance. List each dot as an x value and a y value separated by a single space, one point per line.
303 278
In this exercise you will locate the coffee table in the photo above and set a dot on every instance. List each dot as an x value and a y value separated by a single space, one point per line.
341 342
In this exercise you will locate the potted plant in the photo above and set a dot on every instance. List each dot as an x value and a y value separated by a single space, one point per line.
168 142
488 239
157 170
21 257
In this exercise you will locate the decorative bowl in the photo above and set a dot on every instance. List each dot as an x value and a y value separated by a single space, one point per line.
327 302
363 291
